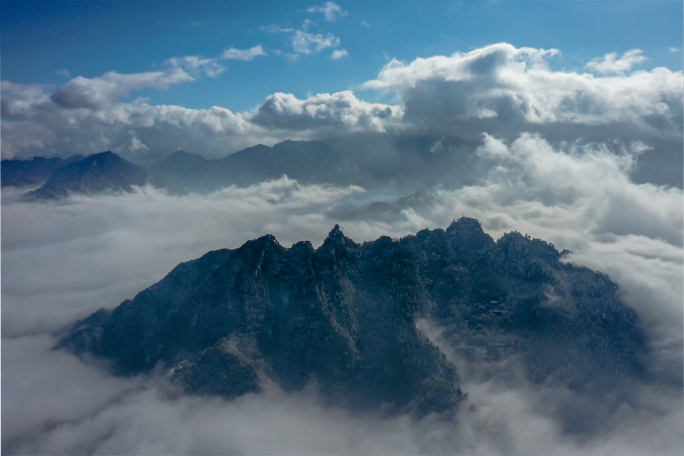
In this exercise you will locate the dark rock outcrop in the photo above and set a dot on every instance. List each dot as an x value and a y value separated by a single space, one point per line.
344 316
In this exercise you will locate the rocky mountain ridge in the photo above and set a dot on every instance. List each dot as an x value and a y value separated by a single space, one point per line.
93 174
366 161
344 318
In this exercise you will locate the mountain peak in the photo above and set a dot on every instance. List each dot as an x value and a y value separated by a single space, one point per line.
96 173
344 318
336 241
182 153
465 224
336 233
105 154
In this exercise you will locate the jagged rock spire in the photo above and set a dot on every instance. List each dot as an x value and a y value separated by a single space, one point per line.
336 236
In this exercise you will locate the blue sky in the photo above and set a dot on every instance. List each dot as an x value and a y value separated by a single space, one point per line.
42 39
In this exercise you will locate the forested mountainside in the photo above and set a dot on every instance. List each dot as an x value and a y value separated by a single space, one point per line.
344 316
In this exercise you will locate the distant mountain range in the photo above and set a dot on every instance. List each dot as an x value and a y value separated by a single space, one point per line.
24 173
368 161
93 174
406 162
345 317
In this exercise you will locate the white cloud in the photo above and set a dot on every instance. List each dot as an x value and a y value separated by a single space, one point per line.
308 43
34 124
198 66
302 41
504 90
365 23
99 92
212 67
611 64
247 54
137 146
337 112
674 50
63 72
275 28
331 11
338 54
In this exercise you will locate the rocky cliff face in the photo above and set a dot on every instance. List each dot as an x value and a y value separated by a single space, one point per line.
344 316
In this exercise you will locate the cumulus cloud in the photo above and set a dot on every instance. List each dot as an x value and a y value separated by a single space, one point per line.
308 43
33 124
340 111
501 89
331 11
338 54
97 93
612 64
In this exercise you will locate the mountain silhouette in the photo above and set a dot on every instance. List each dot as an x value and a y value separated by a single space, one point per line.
344 317
96 173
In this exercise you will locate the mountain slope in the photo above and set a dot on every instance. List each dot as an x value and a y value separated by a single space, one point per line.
96 173
22 173
370 161
345 317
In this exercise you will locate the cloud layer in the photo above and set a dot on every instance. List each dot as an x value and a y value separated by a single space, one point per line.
64 260
499 90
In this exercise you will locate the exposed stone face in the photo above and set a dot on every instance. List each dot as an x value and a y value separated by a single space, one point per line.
344 316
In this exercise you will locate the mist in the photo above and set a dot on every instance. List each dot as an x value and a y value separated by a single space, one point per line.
63 260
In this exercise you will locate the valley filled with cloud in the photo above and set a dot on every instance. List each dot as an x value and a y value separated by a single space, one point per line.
65 260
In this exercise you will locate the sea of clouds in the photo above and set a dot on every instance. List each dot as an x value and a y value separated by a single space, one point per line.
63 260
